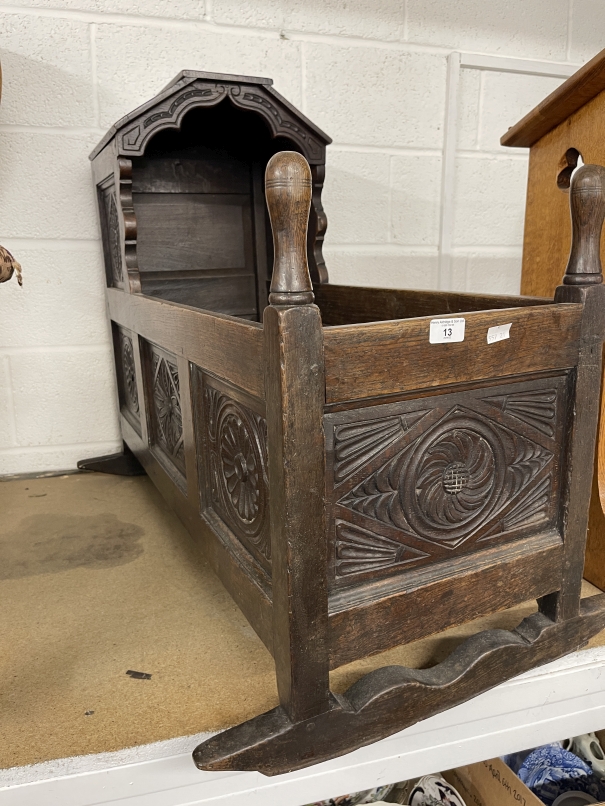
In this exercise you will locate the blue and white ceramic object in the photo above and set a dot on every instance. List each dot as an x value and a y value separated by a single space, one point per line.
550 771
588 748
551 763
357 798
514 760
433 790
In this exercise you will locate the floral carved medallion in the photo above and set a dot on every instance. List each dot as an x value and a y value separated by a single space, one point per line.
237 440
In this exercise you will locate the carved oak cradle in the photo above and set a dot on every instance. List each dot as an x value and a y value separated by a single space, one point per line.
355 486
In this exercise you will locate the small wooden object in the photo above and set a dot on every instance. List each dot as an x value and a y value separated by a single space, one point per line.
563 131
356 486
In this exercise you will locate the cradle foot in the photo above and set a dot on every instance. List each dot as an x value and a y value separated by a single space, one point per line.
119 464
393 698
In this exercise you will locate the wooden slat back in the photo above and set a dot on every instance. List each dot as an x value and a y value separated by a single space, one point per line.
387 358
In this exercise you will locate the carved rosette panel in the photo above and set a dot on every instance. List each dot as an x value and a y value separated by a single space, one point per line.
129 395
238 485
167 417
443 476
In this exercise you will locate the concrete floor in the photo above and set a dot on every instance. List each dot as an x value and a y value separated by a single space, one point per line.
98 577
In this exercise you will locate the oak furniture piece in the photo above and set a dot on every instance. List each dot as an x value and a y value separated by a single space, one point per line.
565 128
355 481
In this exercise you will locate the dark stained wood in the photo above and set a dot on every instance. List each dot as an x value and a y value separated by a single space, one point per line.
232 292
393 698
178 185
349 305
422 481
193 88
385 358
594 567
191 231
228 347
545 251
587 214
231 449
578 90
250 592
582 283
384 614
288 190
214 174
295 398
124 463
262 237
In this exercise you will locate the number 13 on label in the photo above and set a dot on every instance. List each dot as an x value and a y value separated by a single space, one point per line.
446 330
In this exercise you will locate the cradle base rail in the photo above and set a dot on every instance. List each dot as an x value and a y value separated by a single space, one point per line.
393 698
124 463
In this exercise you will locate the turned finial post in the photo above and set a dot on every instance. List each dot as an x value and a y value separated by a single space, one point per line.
288 192
587 207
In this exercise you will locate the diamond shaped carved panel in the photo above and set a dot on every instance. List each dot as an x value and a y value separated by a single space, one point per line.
445 475
165 409
127 377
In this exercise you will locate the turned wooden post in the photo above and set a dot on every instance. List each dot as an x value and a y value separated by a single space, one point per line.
295 395
582 283
587 205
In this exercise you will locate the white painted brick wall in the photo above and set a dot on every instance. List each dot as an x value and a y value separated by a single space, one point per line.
372 73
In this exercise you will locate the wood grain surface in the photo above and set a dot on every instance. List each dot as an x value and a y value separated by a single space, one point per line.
348 305
393 698
560 105
228 347
388 613
385 358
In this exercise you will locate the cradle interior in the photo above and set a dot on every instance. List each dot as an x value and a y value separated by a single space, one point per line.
203 236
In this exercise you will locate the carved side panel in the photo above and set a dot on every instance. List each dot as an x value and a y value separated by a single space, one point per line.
231 439
125 345
165 412
418 482
119 228
236 484
110 232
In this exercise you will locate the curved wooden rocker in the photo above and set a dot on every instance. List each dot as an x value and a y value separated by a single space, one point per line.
312 724
390 699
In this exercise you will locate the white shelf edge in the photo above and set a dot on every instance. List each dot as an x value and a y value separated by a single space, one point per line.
564 698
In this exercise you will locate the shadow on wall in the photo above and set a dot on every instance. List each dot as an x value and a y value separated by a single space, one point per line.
37 92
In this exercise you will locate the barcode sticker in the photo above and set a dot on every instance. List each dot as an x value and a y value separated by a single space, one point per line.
446 330
498 333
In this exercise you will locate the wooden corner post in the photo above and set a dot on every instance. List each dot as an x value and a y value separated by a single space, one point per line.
295 396
582 283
